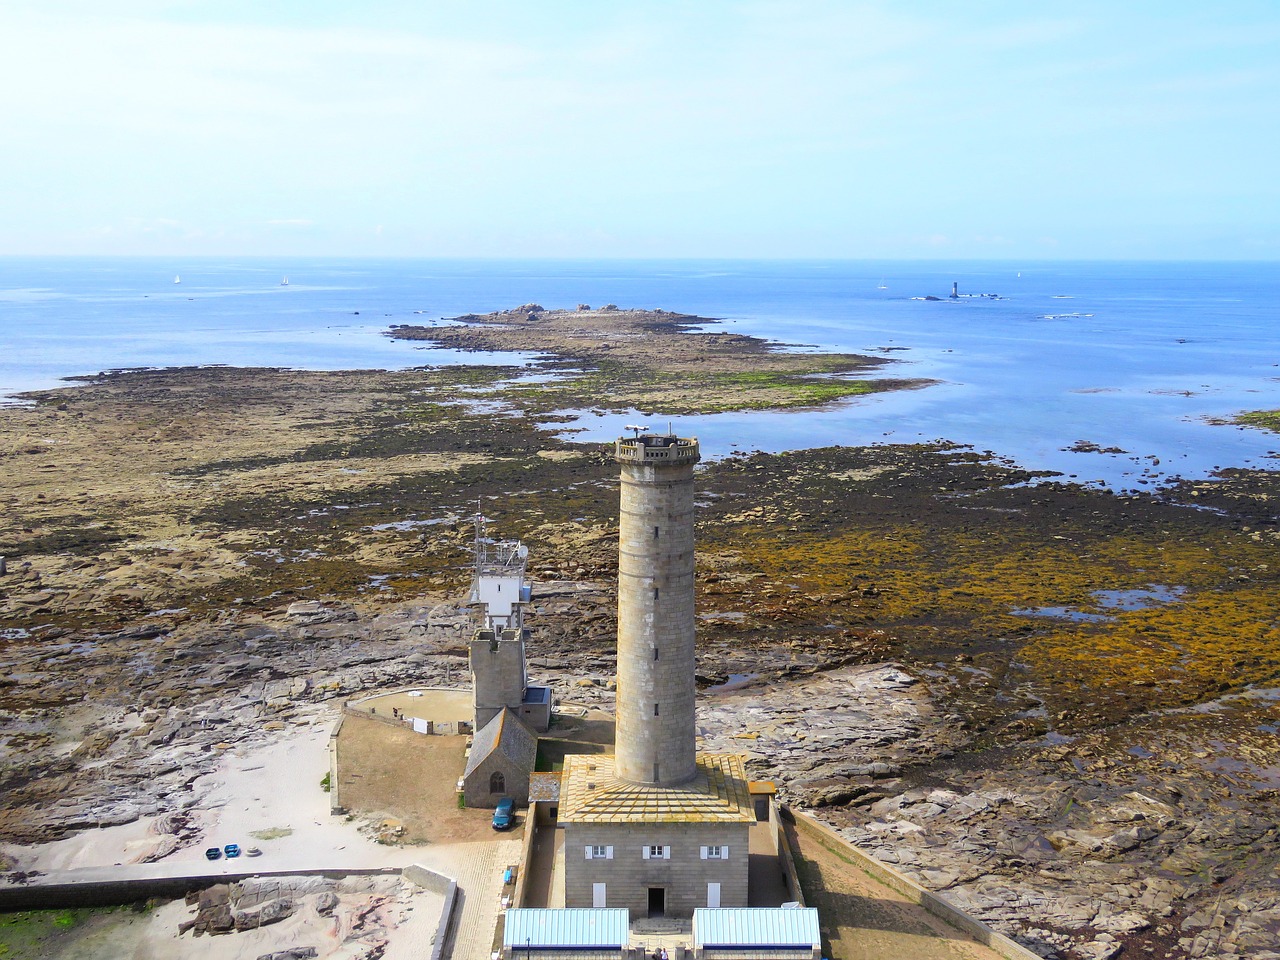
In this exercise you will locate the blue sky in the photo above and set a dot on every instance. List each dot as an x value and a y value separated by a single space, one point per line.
657 129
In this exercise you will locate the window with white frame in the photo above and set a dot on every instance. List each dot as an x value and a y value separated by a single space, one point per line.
599 852
715 853
656 852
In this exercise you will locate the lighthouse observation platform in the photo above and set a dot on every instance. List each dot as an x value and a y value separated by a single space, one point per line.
657 450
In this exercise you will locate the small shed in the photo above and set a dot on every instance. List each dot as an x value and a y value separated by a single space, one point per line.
763 793
503 753
544 797
566 934
758 933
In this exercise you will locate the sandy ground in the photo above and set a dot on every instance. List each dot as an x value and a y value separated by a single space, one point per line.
269 785
273 786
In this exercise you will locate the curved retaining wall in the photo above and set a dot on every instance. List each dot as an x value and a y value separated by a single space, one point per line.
935 904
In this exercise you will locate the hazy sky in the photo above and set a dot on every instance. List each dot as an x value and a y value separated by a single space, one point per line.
702 128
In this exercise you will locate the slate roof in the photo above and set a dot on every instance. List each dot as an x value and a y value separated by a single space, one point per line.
507 734
544 787
591 793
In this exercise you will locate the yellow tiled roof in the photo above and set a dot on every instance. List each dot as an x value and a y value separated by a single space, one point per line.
591 793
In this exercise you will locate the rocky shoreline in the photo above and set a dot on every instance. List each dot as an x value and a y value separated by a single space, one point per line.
918 642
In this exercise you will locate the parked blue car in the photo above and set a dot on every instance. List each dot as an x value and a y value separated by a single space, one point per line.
232 850
504 815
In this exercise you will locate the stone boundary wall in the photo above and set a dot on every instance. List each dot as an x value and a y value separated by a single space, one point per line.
898 882
782 848
335 802
448 888
526 855
108 886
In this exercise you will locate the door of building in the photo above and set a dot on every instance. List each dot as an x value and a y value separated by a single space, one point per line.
657 902
597 895
713 895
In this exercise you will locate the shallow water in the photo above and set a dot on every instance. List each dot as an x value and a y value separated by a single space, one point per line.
1136 357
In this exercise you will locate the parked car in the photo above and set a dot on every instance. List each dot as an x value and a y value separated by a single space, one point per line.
504 815
232 850
213 853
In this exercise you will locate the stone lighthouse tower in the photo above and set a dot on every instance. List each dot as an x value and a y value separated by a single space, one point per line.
656 828
656 732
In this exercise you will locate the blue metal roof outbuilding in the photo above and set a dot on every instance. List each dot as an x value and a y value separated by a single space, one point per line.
607 927
756 927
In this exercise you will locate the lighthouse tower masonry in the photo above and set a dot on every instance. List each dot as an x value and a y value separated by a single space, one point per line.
657 827
656 730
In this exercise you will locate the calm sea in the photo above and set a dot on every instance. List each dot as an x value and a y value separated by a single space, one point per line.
1135 356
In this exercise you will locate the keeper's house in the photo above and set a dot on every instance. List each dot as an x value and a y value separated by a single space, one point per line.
657 851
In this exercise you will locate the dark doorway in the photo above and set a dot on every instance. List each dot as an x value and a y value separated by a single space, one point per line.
657 902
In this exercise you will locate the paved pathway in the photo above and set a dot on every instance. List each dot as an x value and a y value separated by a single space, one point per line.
480 889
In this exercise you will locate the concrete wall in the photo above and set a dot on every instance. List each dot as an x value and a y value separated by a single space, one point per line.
628 876
935 904
656 622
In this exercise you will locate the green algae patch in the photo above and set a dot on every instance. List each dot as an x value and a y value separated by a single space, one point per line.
940 559
39 934
1263 419
276 833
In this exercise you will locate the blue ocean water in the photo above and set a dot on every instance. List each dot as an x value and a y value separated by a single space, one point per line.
1134 356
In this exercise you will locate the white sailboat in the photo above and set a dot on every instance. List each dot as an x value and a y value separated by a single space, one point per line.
284 282
176 278
882 286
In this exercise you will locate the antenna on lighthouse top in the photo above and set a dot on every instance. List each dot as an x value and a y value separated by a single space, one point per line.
638 429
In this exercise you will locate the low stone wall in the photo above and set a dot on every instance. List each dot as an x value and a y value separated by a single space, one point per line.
898 882
335 801
446 887
108 886
782 847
